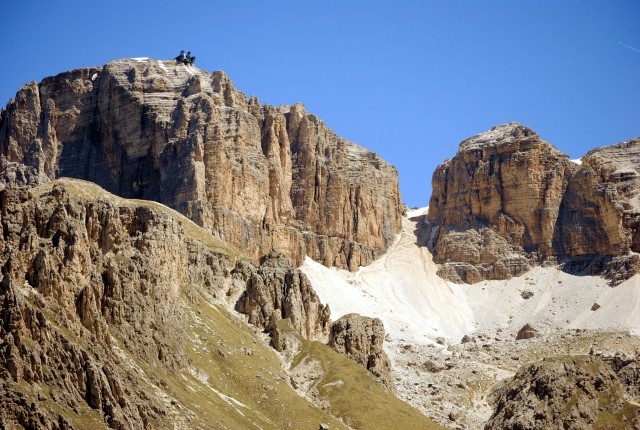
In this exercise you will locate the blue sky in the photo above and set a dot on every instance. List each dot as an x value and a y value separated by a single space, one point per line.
406 79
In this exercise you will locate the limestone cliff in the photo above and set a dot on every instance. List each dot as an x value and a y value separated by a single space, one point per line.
599 224
496 203
259 177
508 200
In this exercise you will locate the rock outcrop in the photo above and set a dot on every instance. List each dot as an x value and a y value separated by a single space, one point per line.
627 368
259 177
526 332
496 203
361 338
508 200
599 223
113 315
579 392
81 281
275 290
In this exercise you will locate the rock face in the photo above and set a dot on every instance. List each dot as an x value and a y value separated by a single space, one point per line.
628 371
113 315
275 290
599 223
496 203
361 339
259 177
80 281
508 200
579 392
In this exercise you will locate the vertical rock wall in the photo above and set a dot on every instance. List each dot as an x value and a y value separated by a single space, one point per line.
508 200
259 177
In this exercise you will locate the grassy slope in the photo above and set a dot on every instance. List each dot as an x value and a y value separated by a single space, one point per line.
233 380
354 396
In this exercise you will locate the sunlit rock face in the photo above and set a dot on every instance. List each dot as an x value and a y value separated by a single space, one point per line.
508 200
259 177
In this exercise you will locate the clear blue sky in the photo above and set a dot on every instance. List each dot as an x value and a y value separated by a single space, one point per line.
406 79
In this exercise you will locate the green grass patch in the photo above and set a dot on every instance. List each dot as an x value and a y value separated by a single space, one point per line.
355 397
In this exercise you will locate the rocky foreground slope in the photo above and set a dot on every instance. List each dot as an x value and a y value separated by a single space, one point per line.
259 177
579 392
509 200
115 314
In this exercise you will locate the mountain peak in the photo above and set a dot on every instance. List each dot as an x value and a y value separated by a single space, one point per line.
262 178
498 135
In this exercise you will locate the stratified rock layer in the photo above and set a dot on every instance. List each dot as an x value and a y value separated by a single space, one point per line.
259 177
599 223
508 200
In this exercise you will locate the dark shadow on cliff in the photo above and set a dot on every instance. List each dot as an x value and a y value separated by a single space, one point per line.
422 231
614 268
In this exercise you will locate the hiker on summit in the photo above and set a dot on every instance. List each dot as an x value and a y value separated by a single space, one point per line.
187 59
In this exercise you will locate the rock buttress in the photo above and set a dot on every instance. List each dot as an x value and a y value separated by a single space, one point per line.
259 177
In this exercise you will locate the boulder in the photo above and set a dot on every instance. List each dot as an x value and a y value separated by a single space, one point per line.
526 332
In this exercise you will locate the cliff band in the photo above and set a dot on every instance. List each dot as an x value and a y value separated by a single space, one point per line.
259 177
508 200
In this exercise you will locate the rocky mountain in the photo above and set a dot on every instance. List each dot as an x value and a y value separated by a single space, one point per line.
260 178
190 303
508 200
115 313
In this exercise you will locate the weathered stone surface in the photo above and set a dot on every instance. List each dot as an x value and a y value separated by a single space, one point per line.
629 376
627 368
599 223
361 339
496 203
259 177
276 290
508 200
81 280
579 392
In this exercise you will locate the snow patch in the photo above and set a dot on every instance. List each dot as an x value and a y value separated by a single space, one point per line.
94 76
417 212
141 59
578 161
